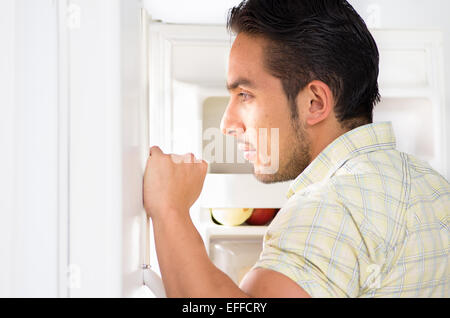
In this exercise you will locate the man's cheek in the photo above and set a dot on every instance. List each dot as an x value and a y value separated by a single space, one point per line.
268 151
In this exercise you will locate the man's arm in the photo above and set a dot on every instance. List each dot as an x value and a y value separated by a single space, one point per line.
187 270
170 189
185 266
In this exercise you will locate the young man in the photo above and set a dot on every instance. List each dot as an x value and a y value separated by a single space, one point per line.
362 219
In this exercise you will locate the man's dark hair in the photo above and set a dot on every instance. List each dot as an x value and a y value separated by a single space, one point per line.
310 40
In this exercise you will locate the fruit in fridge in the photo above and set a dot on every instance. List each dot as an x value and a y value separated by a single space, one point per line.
231 217
261 216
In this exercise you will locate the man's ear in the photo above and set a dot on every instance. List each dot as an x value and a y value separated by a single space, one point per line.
321 102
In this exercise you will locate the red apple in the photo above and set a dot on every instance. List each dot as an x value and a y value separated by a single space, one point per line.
261 216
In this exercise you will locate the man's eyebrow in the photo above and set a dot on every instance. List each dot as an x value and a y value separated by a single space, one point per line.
240 82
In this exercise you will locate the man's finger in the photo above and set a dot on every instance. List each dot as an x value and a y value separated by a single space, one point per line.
155 150
177 158
189 158
205 164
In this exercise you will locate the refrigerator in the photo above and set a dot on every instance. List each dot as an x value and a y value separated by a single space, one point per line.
123 82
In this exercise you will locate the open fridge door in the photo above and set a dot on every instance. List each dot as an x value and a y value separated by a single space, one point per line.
109 145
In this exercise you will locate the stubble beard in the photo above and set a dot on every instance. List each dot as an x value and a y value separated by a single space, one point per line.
292 163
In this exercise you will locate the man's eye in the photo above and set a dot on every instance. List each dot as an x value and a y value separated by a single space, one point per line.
244 96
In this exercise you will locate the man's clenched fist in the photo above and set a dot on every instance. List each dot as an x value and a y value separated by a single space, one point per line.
172 182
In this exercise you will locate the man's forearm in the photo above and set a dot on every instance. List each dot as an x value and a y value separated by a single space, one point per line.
185 266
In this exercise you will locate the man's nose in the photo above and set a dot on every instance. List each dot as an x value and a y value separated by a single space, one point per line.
231 123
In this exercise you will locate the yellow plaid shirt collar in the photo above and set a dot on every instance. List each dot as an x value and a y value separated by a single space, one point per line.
364 139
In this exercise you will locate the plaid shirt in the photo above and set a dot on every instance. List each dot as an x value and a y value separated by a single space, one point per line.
363 220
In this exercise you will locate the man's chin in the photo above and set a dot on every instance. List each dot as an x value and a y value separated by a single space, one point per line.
268 178
268 175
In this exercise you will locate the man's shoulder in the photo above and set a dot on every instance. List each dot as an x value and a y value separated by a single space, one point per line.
378 185
366 188
392 165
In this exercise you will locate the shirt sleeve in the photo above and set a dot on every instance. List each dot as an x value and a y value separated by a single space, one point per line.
317 243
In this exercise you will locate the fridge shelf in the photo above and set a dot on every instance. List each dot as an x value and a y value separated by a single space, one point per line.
214 232
241 191
241 231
